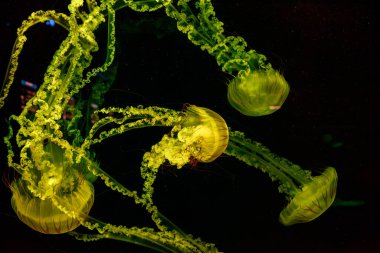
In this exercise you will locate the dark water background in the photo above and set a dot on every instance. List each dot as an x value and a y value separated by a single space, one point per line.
328 52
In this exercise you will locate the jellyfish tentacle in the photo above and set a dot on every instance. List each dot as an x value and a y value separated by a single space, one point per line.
162 241
35 18
111 40
309 196
109 181
198 29
141 5
264 157
204 29
143 241
128 118
246 155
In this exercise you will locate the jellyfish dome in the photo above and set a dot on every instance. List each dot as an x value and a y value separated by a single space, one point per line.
259 93
205 132
45 216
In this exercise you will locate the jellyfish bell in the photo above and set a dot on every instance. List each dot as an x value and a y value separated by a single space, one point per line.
205 132
53 183
258 93
313 200
47 216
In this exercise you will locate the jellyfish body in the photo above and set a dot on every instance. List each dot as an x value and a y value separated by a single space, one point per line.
201 135
44 215
56 197
314 198
205 132
259 93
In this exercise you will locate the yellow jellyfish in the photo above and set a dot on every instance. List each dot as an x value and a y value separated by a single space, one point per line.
56 197
313 199
205 133
259 93
45 216
202 134
309 196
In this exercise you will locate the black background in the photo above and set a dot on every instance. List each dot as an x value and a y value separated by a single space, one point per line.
328 53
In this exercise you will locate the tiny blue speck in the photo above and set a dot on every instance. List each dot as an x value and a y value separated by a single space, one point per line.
50 23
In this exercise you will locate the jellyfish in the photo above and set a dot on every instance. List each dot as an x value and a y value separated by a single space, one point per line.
202 134
52 196
308 196
314 198
259 93
256 88
45 216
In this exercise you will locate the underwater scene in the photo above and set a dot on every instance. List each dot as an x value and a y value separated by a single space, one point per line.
189 126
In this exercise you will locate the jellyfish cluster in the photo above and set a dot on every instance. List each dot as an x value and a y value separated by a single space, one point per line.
53 158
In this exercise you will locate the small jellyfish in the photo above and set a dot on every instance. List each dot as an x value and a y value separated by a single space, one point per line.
259 93
308 196
44 215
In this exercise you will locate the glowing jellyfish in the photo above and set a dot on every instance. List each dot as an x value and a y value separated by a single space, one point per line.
309 196
205 132
260 93
44 215
312 200
202 134
51 197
